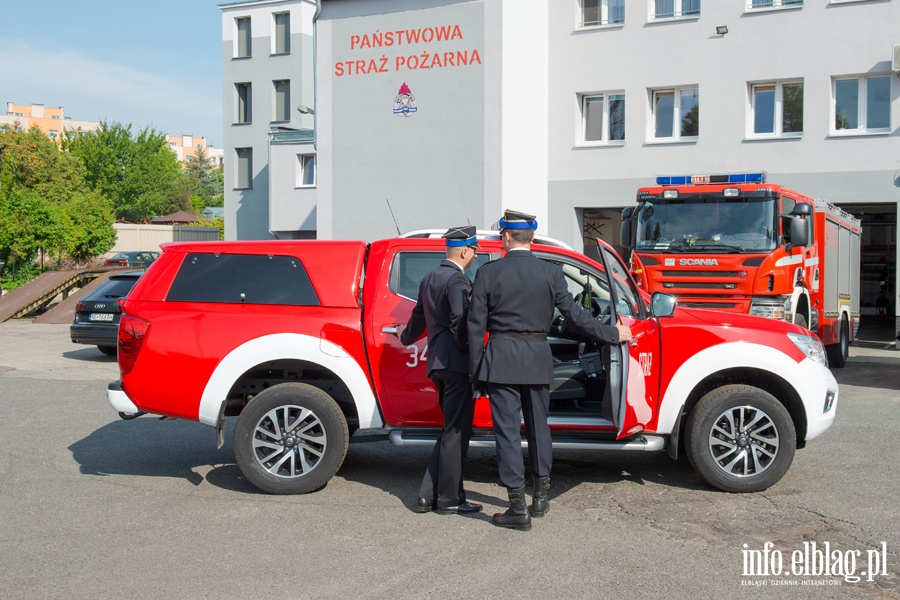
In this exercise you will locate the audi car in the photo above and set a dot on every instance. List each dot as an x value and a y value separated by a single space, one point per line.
97 314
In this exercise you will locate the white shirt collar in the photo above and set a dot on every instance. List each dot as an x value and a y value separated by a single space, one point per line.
456 264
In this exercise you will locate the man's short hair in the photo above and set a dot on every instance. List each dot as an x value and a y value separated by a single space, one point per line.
521 236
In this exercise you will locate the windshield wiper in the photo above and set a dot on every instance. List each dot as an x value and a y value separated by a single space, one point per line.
704 246
659 247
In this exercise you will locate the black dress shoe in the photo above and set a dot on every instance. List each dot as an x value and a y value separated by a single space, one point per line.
465 507
424 505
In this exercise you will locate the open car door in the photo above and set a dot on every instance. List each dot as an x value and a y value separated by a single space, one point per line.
633 368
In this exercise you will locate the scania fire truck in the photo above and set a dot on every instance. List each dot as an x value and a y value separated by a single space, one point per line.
736 242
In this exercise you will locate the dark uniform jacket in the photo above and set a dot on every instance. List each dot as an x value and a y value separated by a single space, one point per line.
441 310
517 294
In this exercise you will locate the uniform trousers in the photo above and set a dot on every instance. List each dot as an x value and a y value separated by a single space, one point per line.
443 478
509 403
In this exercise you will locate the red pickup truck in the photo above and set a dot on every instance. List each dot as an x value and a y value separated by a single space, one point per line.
294 338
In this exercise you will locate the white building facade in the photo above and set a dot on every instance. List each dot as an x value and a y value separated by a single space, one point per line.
268 94
431 113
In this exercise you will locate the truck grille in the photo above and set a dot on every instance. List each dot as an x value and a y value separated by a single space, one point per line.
715 290
708 305
688 274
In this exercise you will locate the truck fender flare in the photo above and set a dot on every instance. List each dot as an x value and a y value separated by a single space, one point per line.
728 356
289 346
844 312
797 297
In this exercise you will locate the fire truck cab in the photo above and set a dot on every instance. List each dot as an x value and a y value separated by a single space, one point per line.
736 242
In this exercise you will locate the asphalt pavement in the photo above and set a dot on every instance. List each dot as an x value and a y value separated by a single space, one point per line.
96 507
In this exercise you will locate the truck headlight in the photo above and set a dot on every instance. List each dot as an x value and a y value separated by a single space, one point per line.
771 308
811 346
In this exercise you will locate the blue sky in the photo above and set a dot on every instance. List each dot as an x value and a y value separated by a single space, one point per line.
152 64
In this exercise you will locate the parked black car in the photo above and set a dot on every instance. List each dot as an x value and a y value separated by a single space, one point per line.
97 314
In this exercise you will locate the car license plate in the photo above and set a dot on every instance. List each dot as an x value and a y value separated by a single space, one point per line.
101 317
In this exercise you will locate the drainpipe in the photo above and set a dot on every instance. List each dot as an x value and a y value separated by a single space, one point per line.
315 80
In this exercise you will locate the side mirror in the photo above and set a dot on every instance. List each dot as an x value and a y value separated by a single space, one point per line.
662 305
799 231
626 236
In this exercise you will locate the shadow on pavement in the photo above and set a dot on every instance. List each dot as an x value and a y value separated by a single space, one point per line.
871 372
89 353
150 447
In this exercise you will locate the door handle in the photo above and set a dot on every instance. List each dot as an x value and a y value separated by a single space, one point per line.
389 329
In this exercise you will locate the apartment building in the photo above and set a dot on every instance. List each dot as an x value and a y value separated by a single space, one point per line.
448 111
184 146
52 121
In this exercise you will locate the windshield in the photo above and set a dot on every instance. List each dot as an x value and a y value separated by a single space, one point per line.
707 225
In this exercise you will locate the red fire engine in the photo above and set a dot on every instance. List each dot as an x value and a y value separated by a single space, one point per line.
738 243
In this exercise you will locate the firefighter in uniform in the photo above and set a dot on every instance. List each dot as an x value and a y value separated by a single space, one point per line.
441 309
513 300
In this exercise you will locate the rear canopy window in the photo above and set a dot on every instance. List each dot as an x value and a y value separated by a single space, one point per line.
243 278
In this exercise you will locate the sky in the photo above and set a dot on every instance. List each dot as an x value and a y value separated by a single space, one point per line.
151 64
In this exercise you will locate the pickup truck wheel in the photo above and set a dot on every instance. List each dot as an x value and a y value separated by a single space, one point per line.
290 439
740 439
840 352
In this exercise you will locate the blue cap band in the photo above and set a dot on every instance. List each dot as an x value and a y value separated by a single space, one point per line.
460 243
518 224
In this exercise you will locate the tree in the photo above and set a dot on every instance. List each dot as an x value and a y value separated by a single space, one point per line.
690 122
30 160
138 172
45 204
91 232
29 224
202 170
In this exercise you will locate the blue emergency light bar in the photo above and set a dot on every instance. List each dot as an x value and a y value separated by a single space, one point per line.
705 179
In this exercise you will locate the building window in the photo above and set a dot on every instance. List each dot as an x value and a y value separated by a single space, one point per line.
674 9
282 39
603 118
676 114
243 39
54 134
602 12
776 109
244 171
243 103
306 170
764 4
282 96
862 104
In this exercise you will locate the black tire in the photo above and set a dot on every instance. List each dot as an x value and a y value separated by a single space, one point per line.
840 352
107 350
800 320
290 439
736 459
